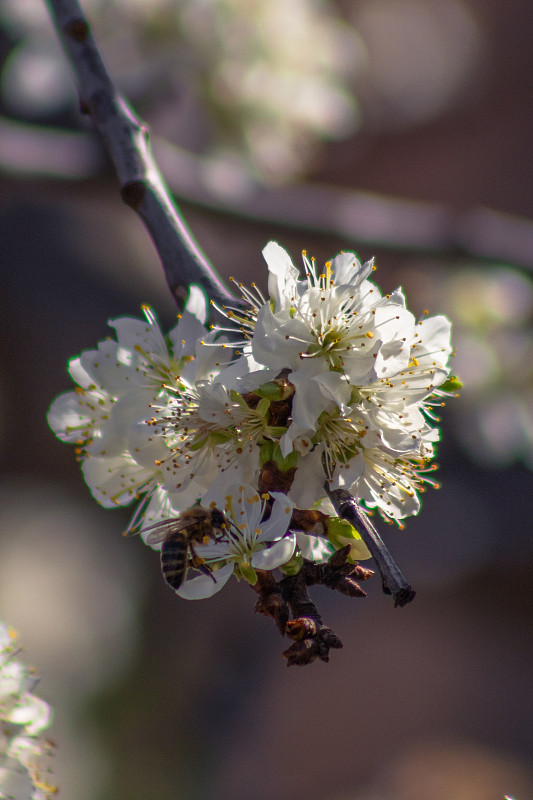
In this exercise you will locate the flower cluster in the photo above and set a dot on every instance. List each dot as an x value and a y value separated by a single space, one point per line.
24 754
326 384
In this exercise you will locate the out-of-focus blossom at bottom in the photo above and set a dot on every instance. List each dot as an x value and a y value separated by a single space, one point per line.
74 590
25 755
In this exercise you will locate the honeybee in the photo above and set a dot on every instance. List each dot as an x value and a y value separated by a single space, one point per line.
179 535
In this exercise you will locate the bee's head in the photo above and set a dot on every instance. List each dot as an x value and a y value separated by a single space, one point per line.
217 518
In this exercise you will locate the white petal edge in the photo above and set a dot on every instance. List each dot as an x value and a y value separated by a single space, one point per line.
275 556
204 586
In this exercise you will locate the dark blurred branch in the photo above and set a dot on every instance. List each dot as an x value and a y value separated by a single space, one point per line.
394 582
126 139
356 217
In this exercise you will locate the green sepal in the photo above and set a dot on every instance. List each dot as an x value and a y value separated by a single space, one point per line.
269 391
276 432
248 573
270 451
340 533
266 452
262 407
285 463
275 390
355 396
294 565
453 384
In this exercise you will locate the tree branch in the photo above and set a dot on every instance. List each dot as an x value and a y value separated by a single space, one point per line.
358 217
126 139
394 582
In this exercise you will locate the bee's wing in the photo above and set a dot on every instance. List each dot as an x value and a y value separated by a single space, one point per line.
161 530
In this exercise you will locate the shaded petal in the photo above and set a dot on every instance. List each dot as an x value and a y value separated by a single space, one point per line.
280 517
197 303
204 586
184 337
134 334
308 484
116 481
314 548
107 367
276 555
144 447
73 416
283 275
349 270
346 476
78 374
278 340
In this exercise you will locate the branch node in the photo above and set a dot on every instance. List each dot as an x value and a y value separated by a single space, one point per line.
271 602
133 193
77 29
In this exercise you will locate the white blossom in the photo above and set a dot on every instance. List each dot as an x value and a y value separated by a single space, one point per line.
250 543
365 375
118 383
186 417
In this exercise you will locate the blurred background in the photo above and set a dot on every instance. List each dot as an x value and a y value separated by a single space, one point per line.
398 128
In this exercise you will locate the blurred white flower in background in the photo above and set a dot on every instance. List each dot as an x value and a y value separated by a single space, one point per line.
238 80
424 56
74 589
492 311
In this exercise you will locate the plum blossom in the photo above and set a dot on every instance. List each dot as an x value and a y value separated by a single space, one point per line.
333 384
365 374
118 383
251 543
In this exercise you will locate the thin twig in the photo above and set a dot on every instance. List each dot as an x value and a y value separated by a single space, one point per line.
126 139
394 581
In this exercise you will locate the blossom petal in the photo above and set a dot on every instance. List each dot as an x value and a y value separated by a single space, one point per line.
314 548
275 555
197 303
116 480
279 520
184 337
349 270
204 586
283 275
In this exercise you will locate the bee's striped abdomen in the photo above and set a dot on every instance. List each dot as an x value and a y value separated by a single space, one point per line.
174 553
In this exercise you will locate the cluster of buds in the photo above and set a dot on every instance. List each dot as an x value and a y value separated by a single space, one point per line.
242 443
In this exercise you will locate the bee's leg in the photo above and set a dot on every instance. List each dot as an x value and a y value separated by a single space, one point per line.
199 563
